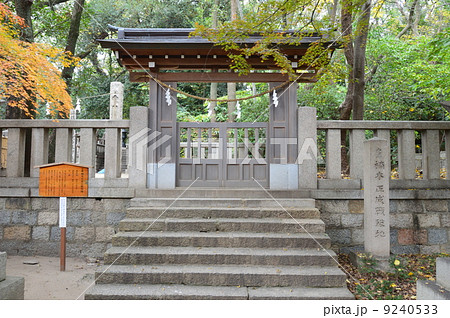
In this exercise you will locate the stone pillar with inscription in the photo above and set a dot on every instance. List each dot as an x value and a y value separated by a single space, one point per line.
116 101
376 198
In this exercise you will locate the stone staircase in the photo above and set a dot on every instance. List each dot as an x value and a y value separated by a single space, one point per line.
220 248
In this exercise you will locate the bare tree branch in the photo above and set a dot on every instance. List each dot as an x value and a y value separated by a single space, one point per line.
49 3
410 21
369 76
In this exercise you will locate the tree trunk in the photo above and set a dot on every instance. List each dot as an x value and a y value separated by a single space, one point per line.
231 87
234 9
231 90
415 26
347 105
72 38
362 32
213 88
347 30
410 21
23 10
332 11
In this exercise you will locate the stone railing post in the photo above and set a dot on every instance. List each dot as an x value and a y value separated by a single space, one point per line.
88 146
116 100
406 154
307 148
430 154
39 150
15 159
383 134
333 154
112 153
376 198
137 147
447 153
357 137
2 158
63 147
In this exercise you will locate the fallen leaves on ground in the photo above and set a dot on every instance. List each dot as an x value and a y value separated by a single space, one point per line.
367 282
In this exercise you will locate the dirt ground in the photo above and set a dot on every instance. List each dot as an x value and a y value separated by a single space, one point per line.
44 281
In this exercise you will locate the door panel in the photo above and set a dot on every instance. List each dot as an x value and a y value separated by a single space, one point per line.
222 154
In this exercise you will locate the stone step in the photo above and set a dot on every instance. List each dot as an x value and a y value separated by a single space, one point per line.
308 293
224 225
221 193
222 275
205 212
218 255
223 202
222 239
164 292
183 292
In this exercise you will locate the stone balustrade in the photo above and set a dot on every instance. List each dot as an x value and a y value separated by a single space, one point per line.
21 173
407 139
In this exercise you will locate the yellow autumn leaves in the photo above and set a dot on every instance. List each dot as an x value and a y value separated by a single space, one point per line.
29 76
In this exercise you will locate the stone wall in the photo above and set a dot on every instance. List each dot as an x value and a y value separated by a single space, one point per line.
29 226
417 226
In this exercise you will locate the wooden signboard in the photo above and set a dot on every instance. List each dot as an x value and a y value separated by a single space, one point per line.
63 180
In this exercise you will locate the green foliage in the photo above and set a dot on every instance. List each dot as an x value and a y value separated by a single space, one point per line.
440 46
411 78
255 109
325 98
409 83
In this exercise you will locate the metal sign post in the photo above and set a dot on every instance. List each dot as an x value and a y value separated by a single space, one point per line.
62 225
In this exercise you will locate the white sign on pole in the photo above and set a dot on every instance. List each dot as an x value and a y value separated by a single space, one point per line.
62 211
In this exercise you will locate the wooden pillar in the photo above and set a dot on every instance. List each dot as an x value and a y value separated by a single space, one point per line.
162 144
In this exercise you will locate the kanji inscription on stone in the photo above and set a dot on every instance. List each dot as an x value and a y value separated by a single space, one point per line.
376 197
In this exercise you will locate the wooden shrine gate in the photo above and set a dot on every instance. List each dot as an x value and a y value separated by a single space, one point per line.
222 154
215 154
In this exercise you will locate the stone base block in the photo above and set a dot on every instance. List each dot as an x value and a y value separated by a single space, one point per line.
2 266
12 288
364 260
161 176
443 272
111 192
283 176
429 290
